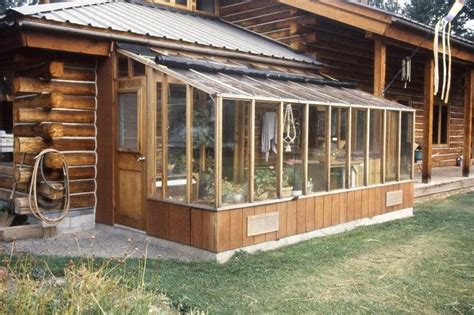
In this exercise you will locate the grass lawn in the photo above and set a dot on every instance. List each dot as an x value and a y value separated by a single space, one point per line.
424 264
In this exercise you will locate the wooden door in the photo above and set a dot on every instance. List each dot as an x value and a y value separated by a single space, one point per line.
130 189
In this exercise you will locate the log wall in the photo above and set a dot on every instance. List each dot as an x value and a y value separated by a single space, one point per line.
348 54
227 229
55 107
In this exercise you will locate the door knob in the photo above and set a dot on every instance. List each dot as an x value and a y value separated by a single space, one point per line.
141 159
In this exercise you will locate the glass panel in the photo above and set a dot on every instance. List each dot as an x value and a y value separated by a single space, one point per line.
266 135
138 68
182 2
122 67
292 181
235 152
203 148
392 146
317 149
444 124
436 124
128 121
159 142
206 5
177 142
338 147
406 157
358 146
375 146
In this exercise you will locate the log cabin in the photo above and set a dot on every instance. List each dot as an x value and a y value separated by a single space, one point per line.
199 132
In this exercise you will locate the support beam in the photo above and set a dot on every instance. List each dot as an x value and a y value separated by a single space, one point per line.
380 61
428 123
468 96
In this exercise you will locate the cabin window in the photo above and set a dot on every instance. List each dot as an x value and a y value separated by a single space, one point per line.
317 135
392 142
138 68
375 146
128 121
181 2
338 147
235 151
266 151
292 180
440 124
203 147
176 144
358 147
208 6
406 146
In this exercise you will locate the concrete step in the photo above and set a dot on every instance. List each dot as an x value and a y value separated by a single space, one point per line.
443 190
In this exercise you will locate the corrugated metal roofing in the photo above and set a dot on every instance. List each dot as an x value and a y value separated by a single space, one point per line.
142 18
247 87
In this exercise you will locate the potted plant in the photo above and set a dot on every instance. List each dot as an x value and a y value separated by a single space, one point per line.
265 180
233 193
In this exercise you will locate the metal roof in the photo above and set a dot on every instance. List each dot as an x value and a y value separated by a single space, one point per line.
235 86
141 18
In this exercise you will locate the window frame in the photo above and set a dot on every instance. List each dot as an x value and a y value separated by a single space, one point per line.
139 105
438 143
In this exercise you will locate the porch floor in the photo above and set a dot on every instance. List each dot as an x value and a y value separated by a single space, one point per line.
445 181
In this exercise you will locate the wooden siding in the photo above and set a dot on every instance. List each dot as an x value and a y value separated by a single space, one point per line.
219 231
348 54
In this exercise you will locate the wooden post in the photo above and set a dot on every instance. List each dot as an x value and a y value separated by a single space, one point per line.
384 146
150 138
252 150
468 95
218 151
380 59
164 135
428 121
348 148
328 147
280 149
367 149
305 148
189 142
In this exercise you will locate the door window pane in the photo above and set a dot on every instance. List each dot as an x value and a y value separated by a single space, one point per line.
375 146
128 121
338 147
235 151
406 158
203 148
266 148
317 179
292 181
392 146
358 145
176 168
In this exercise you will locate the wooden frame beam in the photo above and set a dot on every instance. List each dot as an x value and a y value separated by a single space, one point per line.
305 147
218 151
252 151
280 150
380 61
468 97
328 147
164 134
428 121
189 142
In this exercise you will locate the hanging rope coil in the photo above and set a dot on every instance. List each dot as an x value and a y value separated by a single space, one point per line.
33 197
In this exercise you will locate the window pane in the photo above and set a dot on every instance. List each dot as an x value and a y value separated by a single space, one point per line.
406 158
206 5
266 135
436 124
338 147
203 148
177 142
235 152
317 149
444 124
358 144
159 142
128 121
122 67
375 146
392 146
292 182
181 2
138 68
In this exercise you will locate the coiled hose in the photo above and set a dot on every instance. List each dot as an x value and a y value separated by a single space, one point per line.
33 197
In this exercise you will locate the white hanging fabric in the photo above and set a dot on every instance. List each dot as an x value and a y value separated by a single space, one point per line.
444 26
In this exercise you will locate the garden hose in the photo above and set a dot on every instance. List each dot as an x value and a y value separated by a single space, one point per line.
33 197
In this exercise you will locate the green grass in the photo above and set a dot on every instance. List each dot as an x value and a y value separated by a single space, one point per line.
424 264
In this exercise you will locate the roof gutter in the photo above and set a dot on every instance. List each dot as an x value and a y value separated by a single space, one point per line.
156 43
427 29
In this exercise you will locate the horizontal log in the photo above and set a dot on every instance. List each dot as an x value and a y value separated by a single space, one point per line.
36 145
23 174
6 193
51 131
53 161
78 102
22 205
46 101
32 57
53 191
35 115
78 74
75 173
28 85
7 169
45 70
